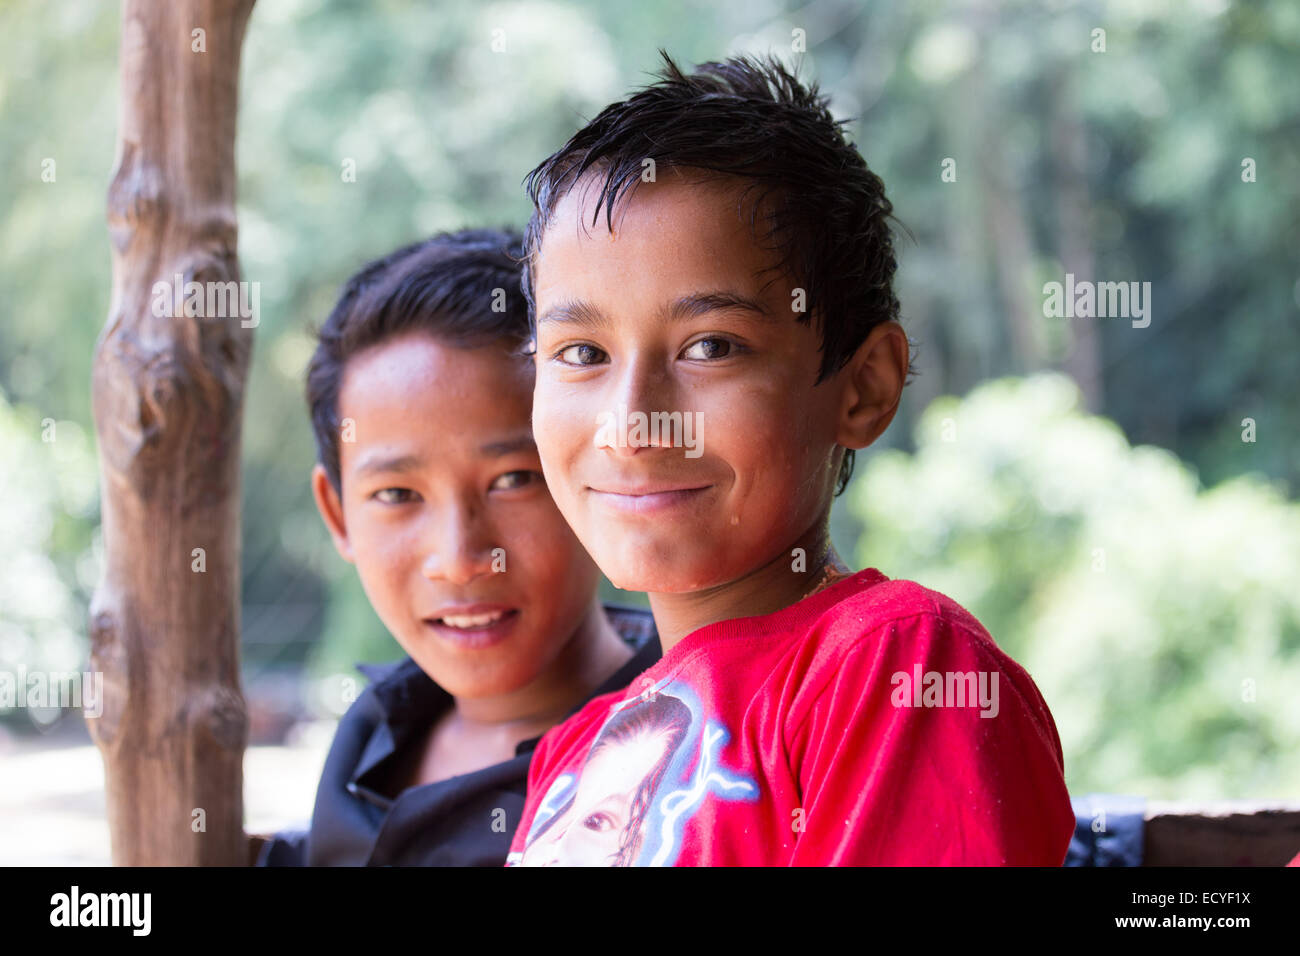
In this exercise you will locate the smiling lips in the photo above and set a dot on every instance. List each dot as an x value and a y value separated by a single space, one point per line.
647 499
473 625
471 620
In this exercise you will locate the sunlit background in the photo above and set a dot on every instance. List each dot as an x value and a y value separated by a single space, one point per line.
1116 504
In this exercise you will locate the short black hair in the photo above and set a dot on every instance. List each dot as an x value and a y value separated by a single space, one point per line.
825 213
461 287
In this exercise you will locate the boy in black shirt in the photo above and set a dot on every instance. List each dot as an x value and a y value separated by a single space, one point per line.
429 482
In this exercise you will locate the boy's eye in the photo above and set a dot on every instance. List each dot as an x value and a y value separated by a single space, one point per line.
516 479
713 348
394 496
581 355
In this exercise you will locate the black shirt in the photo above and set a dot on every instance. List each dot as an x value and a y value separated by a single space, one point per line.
467 820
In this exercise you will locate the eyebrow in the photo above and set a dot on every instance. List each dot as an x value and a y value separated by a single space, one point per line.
701 303
576 312
380 463
508 446
386 464
689 306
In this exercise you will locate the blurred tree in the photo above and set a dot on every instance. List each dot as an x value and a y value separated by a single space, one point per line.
48 563
167 397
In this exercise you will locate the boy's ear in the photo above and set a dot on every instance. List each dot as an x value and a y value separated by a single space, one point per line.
873 383
331 511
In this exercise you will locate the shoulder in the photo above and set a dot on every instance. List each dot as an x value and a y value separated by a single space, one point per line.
876 632
892 615
894 634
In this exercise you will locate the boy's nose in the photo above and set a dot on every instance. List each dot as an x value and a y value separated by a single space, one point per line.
461 550
643 389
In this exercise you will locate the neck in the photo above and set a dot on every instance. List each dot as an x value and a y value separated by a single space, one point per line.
781 582
591 655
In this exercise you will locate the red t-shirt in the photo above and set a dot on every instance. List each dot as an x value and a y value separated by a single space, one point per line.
874 722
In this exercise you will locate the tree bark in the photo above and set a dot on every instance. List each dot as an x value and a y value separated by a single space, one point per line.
168 400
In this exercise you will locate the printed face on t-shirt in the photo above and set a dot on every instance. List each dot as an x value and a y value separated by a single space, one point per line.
678 311
446 514
652 763
597 824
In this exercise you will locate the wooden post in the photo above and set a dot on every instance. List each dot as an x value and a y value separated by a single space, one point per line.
168 391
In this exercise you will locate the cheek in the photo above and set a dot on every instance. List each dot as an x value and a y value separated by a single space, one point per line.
388 547
561 429
384 582
761 432
387 543
548 554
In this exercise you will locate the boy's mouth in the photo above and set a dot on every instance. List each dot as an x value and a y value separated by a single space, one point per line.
471 621
648 498
476 625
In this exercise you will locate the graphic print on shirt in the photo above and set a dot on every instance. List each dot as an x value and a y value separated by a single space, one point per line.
650 767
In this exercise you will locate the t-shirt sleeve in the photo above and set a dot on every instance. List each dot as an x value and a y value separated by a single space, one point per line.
929 746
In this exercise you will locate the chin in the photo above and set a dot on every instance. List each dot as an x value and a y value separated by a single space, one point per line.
457 679
634 575
476 688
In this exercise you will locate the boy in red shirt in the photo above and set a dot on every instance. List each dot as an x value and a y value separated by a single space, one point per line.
710 274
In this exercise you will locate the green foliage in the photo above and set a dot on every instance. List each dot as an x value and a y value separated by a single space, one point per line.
47 563
1160 620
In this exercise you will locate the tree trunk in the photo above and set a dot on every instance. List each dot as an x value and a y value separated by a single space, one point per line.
168 398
